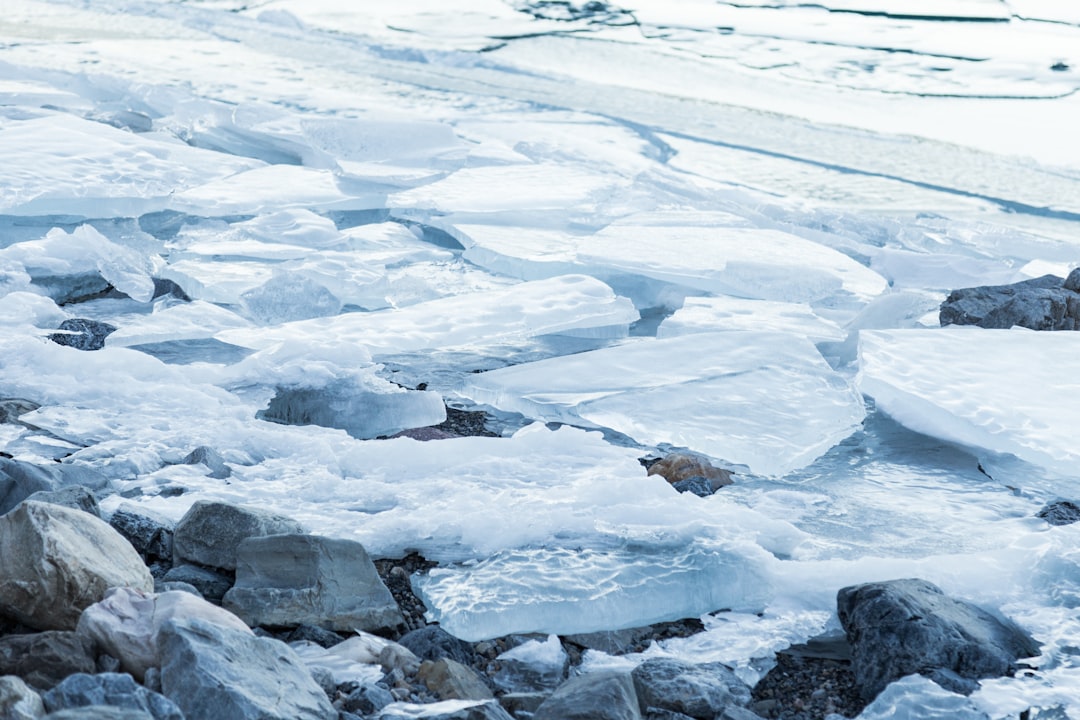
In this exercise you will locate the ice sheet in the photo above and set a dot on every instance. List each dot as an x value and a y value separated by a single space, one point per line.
994 390
766 400
712 314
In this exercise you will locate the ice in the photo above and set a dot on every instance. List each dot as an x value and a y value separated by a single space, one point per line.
25 307
299 227
218 282
272 188
766 400
992 390
917 698
288 296
171 322
546 306
60 163
711 314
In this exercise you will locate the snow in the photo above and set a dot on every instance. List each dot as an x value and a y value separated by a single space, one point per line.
719 227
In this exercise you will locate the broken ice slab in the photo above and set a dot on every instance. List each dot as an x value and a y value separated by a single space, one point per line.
711 314
187 321
359 412
218 282
1003 391
580 590
59 163
744 262
571 302
764 399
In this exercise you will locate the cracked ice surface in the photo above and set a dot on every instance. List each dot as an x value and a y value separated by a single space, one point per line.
765 400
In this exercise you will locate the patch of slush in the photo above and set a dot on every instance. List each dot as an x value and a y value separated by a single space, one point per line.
765 400
995 390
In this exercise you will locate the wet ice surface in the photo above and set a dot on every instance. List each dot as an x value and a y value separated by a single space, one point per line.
716 226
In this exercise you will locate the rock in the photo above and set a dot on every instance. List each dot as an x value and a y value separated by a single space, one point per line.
533 665
19 480
902 627
12 408
113 689
700 691
18 701
82 334
683 466
99 712
1060 512
698 485
1044 303
127 623
57 561
451 680
612 642
76 497
445 710
434 643
213 672
738 713
367 700
655 714
212 459
150 535
290 580
523 704
210 584
210 532
310 633
605 695
44 659
164 586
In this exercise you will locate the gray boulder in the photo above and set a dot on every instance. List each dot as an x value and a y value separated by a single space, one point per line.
99 712
1060 512
291 580
213 672
607 695
902 627
12 408
210 532
700 691
113 689
445 710
1045 303
76 497
367 700
19 480
434 643
212 459
208 583
82 333
451 680
56 561
19 701
150 535
44 659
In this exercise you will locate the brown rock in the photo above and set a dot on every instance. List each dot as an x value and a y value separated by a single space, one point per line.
683 466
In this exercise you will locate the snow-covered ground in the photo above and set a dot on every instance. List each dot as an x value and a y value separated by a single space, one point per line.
719 226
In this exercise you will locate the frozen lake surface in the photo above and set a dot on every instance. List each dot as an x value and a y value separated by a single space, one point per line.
617 228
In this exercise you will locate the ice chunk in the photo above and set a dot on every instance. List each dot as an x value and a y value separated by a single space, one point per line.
711 314
534 665
288 296
528 309
1002 391
580 590
26 307
218 282
270 188
766 400
293 227
185 321
740 261
918 698
58 163
356 410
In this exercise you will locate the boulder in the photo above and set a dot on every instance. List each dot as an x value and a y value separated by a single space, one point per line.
310 633
212 459
211 584
82 333
19 701
533 666
12 408
150 535
210 532
678 467
699 691
1060 512
44 659
213 672
55 561
291 580
434 643
451 680
903 627
523 704
99 712
76 497
445 710
19 480
127 623
367 700
113 689
1045 303
605 695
